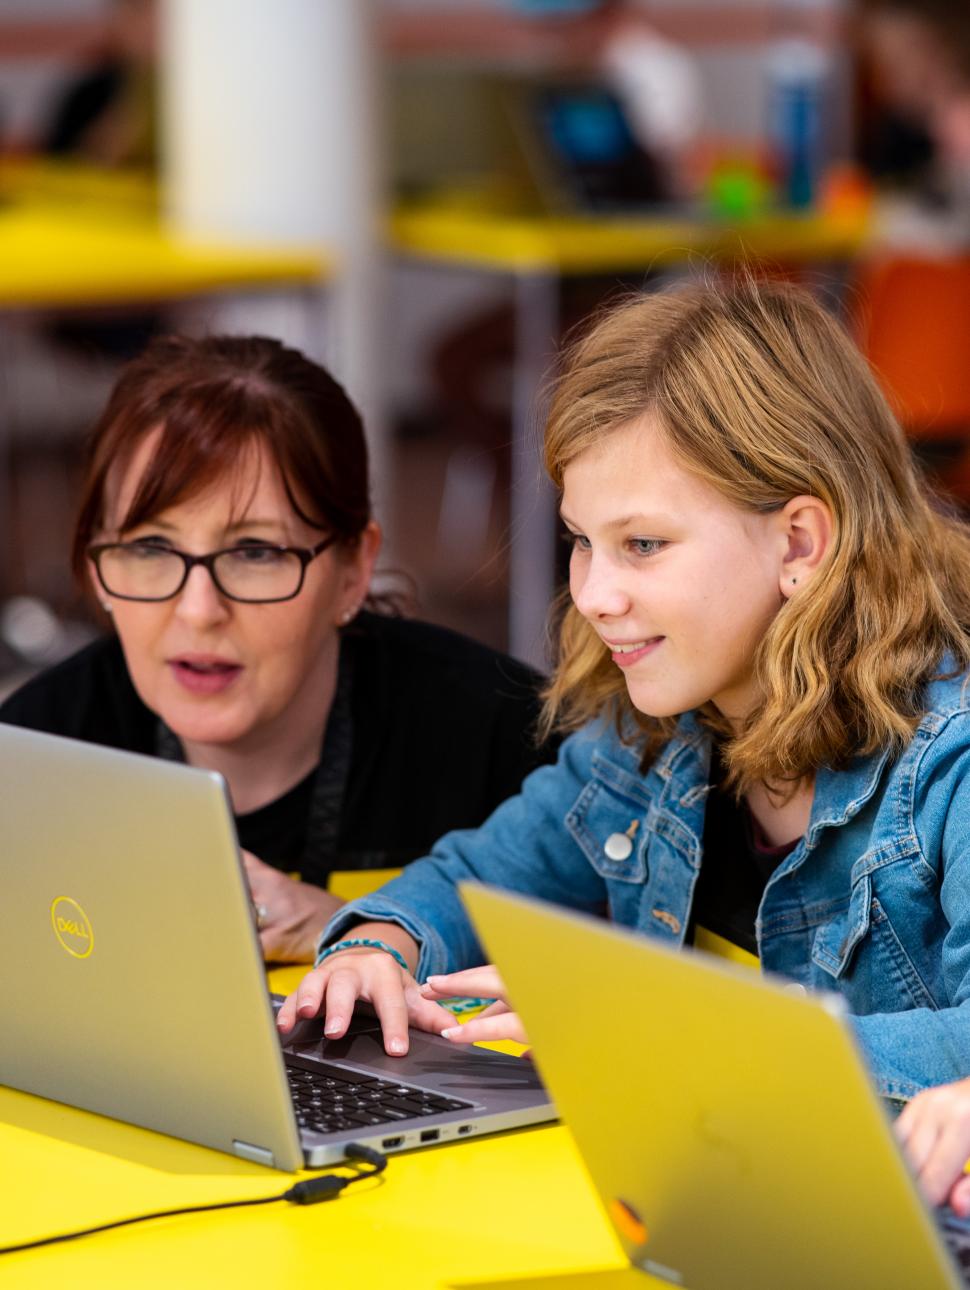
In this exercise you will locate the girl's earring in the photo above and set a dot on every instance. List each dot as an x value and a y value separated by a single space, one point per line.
794 580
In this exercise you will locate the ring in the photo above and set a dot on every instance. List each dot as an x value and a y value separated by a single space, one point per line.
262 917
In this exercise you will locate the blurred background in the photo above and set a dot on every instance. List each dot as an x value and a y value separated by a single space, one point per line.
427 195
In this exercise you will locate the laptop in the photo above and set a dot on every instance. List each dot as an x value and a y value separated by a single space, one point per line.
727 1120
577 151
125 916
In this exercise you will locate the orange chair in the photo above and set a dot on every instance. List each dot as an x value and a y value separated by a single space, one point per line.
912 321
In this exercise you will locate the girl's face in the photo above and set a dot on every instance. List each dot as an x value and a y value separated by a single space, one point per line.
219 672
679 584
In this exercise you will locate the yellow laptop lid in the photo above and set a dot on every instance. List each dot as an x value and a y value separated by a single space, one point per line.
726 1120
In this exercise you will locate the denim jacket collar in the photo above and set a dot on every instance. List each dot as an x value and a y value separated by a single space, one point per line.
840 794
684 770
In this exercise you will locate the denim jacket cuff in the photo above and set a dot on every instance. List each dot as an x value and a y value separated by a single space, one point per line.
433 953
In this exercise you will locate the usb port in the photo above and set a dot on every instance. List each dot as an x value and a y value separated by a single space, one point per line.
464 1128
387 1143
430 1135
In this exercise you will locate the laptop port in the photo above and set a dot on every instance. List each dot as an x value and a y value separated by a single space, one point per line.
464 1128
387 1143
430 1135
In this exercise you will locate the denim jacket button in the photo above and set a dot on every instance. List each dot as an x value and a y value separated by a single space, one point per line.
618 846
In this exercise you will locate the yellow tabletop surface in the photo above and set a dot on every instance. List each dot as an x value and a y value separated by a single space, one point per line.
505 1206
73 236
466 233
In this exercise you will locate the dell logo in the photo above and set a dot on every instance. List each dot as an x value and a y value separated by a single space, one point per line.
72 927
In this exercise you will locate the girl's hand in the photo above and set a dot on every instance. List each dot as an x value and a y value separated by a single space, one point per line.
334 987
934 1131
291 914
497 1021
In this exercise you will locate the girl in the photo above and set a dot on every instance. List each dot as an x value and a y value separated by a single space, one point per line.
764 670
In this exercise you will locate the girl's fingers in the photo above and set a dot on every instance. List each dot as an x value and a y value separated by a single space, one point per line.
494 1009
946 1163
922 1142
959 1197
506 1026
425 1014
481 982
343 991
389 1005
304 1002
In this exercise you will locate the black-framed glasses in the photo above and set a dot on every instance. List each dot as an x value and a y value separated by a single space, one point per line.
255 573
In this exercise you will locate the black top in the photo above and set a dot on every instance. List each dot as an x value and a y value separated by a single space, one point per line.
735 869
439 731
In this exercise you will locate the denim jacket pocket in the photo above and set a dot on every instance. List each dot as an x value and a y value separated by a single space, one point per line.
835 942
599 813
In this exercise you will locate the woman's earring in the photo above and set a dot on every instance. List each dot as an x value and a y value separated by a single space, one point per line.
346 616
106 606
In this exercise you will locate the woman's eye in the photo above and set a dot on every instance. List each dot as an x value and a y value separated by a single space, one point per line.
264 555
147 548
646 546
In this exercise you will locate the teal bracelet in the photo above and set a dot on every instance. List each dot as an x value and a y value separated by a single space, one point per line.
362 941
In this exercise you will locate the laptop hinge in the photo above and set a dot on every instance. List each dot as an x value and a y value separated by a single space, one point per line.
258 1155
661 1270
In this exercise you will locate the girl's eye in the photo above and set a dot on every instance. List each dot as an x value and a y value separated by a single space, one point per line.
645 546
575 541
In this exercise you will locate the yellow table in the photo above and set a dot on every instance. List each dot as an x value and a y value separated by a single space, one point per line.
72 236
510 1205
537 251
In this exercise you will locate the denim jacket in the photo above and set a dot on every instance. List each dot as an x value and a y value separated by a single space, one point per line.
873 903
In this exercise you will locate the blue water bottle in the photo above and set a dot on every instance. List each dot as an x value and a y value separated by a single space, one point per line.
798 76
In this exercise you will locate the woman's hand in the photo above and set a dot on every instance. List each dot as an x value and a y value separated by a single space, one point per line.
334 987
292 914
497 1021
934 1130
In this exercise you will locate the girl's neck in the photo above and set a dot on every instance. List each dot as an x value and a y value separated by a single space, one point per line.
275 757
781 818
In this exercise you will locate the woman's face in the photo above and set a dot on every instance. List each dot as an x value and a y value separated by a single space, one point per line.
219 672
679 584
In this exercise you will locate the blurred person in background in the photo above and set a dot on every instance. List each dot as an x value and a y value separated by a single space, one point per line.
107 113
225 525
919 55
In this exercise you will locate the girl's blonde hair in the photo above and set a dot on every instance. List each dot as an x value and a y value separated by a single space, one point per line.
762 395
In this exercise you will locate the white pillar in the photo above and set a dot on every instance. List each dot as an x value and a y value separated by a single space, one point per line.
270 132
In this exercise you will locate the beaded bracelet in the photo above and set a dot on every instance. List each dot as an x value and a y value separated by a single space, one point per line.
362 941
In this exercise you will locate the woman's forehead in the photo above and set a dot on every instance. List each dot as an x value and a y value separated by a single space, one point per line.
253 482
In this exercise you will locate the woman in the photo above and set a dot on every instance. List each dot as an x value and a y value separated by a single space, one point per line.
764 667
225 525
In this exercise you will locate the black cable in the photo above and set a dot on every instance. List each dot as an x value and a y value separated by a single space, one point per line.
311 1191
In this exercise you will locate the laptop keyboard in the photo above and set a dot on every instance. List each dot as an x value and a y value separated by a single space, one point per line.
957 1235
331 1099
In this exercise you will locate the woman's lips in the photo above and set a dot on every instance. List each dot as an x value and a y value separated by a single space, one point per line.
201 675
629 653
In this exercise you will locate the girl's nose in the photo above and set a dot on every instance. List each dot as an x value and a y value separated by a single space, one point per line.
598 590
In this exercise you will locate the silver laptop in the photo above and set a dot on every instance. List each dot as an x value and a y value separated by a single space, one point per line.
125 919
727 1121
